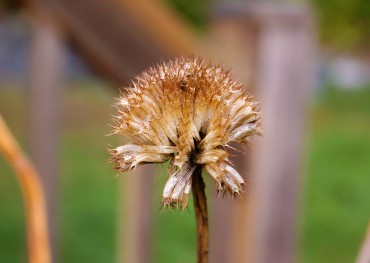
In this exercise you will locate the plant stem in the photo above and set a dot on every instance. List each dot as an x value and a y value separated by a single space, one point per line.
35 204
201 215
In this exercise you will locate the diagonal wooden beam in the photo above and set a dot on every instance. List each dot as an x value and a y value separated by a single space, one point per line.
163 24
122 38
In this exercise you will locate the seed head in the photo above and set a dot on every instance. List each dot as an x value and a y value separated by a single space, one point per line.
186 111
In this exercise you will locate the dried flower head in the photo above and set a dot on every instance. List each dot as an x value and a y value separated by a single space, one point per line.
186 111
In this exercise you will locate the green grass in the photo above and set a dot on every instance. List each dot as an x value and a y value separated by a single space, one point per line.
337 189
336 203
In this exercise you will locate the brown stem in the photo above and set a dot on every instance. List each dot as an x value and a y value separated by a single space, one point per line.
201 215
38 242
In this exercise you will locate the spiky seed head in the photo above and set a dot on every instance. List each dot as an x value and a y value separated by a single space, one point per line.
186 111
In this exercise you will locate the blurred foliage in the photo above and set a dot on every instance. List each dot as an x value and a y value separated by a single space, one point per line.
344 24
195 11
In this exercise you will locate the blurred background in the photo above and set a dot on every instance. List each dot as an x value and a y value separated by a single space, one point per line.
63 62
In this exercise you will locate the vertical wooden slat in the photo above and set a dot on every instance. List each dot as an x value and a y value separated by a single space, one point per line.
46 60
233 43
285 75
135 224
220 221
239 243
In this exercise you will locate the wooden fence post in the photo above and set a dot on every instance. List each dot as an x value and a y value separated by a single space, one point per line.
285 76
46 62
135 224
233 42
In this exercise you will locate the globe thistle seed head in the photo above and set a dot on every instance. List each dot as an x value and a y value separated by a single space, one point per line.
186 111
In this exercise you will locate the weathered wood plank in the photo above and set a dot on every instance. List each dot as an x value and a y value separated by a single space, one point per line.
285 77
46 66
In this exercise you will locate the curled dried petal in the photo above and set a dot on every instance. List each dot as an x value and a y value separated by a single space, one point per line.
243 131
128 156
177 188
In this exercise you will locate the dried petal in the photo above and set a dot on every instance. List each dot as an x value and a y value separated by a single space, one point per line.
128 156
177 188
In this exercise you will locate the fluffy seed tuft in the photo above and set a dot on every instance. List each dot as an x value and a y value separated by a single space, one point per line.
186 111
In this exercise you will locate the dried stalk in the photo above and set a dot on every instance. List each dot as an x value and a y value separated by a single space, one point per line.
201 215
37 232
